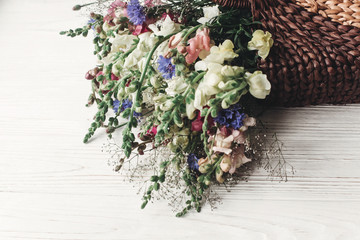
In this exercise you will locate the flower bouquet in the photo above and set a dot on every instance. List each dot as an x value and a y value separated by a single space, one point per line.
182 82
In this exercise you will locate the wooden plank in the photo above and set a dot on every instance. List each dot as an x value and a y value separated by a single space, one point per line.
52 186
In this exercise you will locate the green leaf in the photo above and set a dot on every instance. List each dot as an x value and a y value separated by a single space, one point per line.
143 205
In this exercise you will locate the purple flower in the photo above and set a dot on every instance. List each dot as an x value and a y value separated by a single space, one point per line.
166 67
192 160
126 103
116 105
136 12
231 117
92 21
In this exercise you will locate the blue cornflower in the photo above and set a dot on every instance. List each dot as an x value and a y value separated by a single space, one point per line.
231 117
116 105
136 12
91 21
166 67
126 103
237 121
221 120
228 113
192 160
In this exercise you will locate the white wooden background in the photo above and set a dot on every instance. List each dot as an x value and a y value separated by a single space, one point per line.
52 186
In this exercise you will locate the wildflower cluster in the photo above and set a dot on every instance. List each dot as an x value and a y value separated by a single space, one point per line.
178 71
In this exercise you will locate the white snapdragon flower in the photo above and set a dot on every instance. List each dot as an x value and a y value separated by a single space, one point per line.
164 27
218 54
190 110
209 85
146 43
209 14
262 42
133 58
122 42
231 71
176 85
259 84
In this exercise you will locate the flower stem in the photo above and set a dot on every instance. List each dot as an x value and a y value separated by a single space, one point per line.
191 30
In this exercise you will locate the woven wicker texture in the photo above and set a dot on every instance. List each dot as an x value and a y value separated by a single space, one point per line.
313 61
346 12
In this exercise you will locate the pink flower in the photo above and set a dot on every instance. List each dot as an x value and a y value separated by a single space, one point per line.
140 29
197 45
111 11
175 40
114 77
152 132
238 158
248 122
224 139
239 136
197 124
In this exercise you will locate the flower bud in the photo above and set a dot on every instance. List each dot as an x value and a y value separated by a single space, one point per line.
89 76
98 29
155 82
138 109
76 8
219 176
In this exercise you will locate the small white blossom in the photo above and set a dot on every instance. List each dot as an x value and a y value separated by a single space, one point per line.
164 27
122 42
176 85
209 14
262 42
259 84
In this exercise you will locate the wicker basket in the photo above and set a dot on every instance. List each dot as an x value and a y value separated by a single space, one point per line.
346 12
314 60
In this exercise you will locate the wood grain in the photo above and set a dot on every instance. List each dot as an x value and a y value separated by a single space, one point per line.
52 186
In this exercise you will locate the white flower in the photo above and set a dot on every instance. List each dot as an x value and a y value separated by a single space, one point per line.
133 58
108 59
200 98
190 110
224 51
261 41
141 64
209 14
106 27
259 84
209 85
164 27
161 49
201 66
231 71
218 54
147 41
155 81
122 42
166 106
176 85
